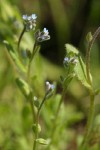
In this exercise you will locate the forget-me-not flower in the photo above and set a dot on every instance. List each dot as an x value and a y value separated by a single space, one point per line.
68 61
49 86
42 36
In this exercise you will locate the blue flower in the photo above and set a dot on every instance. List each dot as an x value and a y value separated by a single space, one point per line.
25 17
70 61
29 18
49 86
33 16
42 36
66 61
45 31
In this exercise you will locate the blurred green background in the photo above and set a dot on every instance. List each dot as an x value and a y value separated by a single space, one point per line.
68 21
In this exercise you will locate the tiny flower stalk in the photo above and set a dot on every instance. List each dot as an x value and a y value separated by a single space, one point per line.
35 48
19 41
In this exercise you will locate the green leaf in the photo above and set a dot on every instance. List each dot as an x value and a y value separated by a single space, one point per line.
80 71
42 141
24 87
71 49
14 56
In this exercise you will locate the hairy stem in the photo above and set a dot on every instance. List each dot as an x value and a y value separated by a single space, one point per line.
89 123
37 121
35 47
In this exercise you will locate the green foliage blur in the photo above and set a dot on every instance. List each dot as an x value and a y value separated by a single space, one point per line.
68 21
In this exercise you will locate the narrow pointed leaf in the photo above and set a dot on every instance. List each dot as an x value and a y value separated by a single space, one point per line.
24 87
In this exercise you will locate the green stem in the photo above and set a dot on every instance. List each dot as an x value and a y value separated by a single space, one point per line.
36 135
37 121
31 101
33 110
28 72
35 48
89 123
34 144
20 38
29 64
42 103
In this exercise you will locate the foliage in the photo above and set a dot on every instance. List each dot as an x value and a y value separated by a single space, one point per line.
57 112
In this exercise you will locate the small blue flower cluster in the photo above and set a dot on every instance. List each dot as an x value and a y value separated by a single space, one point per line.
42 36
30 24
72 60
67 61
